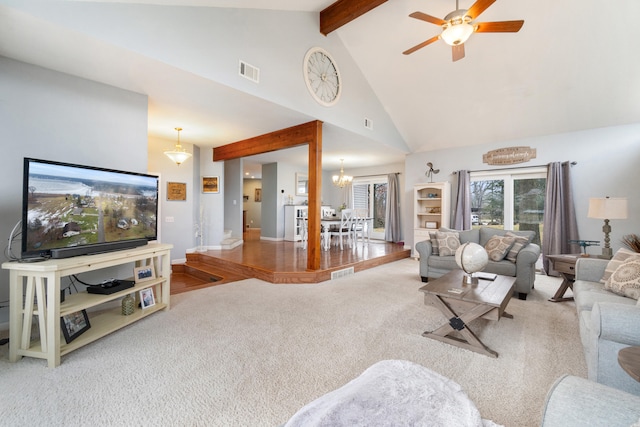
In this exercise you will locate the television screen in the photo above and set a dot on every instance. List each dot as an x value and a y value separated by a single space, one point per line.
72 209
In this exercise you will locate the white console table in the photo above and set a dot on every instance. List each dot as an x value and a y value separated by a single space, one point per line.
35 291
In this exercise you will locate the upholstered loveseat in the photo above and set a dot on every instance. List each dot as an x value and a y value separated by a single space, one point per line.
608 321
520 263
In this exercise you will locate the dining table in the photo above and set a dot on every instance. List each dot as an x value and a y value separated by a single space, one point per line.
327 221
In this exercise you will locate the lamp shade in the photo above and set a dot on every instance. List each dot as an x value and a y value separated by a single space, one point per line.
608 208
457 34
178 154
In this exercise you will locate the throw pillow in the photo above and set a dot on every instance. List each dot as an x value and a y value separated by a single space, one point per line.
520 242
434 243
625 280
618 259
498 247
448 242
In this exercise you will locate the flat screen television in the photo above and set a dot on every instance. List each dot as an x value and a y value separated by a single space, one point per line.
70 210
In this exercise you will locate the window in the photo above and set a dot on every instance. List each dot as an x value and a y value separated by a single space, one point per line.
509 199
371 194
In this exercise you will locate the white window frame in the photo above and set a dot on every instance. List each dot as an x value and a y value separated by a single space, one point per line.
370 180
509 176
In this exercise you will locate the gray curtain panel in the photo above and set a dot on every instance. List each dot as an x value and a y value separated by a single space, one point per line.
559 214
393 229
462 213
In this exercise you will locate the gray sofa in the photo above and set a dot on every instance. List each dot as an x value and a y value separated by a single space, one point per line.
608 322
524 269
577 402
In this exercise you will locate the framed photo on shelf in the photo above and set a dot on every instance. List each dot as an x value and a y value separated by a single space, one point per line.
210 184
74 324
146 298
144 273
431 224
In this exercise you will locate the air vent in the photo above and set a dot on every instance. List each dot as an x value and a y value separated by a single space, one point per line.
341 273
249 72
368 123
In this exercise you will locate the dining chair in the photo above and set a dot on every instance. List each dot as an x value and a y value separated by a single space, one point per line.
360 225
345 228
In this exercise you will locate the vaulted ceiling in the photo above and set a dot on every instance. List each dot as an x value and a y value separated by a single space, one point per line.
573 66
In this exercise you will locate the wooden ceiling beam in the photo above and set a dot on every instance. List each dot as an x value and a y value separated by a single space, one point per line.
273 141
344 11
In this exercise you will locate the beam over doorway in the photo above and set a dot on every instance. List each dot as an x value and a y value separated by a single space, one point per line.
307 133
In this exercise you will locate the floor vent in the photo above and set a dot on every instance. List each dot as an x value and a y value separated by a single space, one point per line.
341 273
249 72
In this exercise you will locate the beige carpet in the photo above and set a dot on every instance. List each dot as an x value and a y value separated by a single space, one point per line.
251 353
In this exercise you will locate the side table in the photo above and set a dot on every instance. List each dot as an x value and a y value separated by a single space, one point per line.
566 266
629 360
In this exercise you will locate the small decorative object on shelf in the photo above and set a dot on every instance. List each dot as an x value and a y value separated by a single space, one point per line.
431 172
146 298
583 244
128 305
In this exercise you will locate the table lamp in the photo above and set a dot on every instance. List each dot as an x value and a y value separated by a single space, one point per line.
607 208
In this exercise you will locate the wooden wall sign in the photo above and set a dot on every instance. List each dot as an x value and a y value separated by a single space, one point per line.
509 156
176 191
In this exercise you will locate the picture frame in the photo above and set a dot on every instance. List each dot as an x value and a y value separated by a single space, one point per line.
258 195
75 324
147 298
431 224
144 273
177 191
210 184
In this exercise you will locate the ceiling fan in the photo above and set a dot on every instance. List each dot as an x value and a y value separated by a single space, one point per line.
458 26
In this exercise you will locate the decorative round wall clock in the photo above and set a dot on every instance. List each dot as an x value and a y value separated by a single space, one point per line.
322 76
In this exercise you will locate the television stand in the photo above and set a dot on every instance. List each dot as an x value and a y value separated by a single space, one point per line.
34 290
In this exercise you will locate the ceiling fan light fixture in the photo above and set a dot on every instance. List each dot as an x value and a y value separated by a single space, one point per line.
456 33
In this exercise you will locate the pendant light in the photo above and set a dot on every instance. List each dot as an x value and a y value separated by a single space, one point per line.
342 179
178 154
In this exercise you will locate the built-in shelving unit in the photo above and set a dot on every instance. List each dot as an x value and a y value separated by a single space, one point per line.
431 209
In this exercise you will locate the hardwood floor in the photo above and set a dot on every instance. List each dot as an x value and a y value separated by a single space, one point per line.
277 262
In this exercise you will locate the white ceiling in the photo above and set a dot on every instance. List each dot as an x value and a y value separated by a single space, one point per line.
574 65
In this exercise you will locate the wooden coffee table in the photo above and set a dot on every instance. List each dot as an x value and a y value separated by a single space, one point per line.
488 299
629 360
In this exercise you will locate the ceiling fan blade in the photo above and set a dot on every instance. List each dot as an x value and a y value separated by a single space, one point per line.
499 27
428 18
478 7
421 45
457 52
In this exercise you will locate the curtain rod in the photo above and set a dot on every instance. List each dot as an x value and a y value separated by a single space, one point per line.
517 167
378 174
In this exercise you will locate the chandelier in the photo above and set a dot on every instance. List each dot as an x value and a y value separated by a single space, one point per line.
342 179
178 154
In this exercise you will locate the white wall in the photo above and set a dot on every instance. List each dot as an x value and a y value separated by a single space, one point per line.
54 116
607 159
209 42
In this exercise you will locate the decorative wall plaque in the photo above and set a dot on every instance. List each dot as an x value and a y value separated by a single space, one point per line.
176 191
509 156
